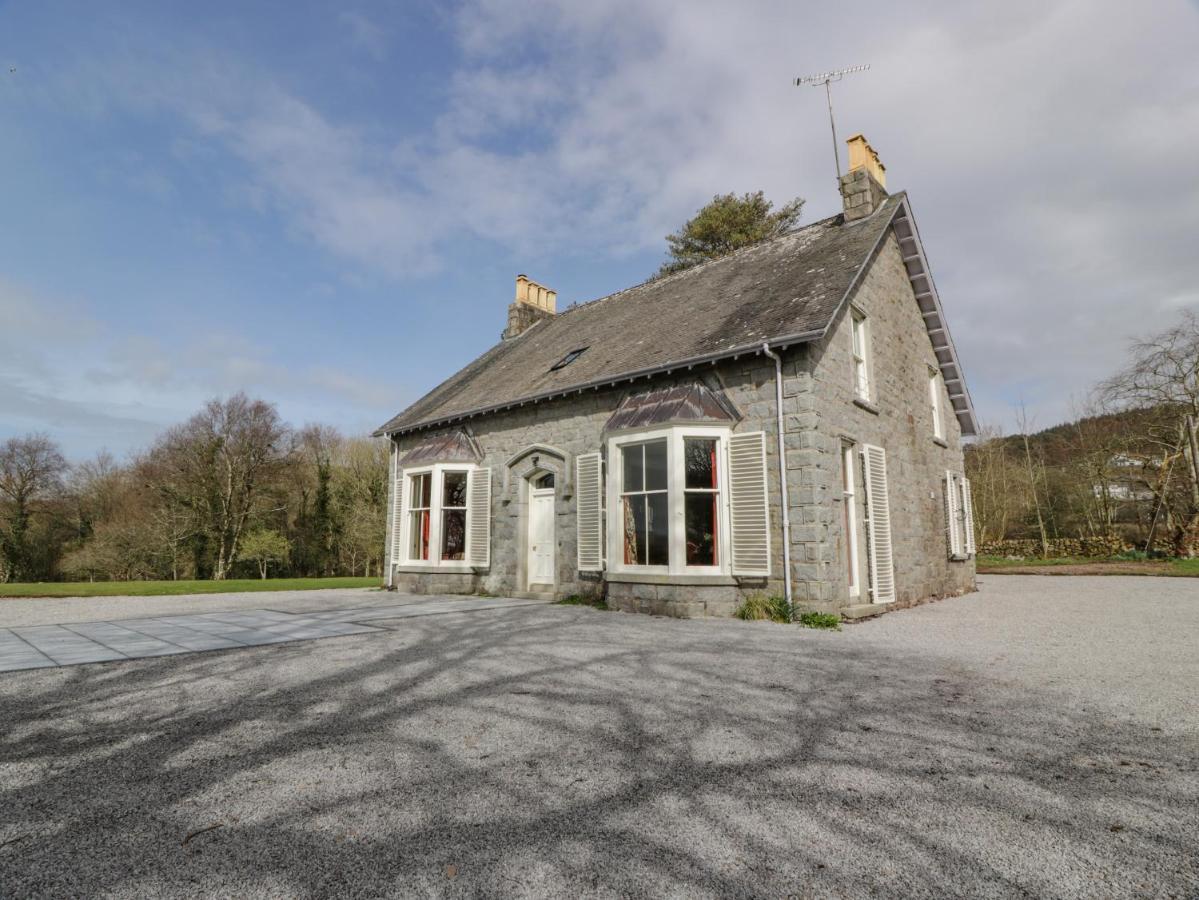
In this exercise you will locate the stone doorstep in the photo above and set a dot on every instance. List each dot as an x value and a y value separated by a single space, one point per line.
549 595
864 610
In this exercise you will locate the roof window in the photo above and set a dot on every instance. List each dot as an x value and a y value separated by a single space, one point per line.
567 359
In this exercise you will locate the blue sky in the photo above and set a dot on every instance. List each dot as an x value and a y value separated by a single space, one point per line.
325 205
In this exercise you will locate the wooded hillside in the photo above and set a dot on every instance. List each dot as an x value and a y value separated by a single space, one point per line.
1122 477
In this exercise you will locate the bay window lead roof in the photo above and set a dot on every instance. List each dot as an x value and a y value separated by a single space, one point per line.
692 402
783 291
446 446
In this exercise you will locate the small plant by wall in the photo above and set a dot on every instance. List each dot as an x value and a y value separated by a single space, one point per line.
760 608
595 602
829 621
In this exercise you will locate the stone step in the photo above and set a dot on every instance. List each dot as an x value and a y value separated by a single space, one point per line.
534 595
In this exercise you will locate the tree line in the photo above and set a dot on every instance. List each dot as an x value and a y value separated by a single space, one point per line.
1124 475
233 491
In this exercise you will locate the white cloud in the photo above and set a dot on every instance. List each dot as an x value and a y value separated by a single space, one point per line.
1048 149
62 369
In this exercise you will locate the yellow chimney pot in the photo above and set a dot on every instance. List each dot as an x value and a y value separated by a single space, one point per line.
538 296
863 156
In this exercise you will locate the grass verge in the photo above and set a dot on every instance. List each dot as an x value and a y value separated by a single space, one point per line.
1071 565
167 588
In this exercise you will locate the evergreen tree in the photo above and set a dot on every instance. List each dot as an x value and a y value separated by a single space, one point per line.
726 224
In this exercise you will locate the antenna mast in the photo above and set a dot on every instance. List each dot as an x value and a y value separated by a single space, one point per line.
827 78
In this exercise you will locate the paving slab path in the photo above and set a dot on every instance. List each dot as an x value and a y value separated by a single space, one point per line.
67 643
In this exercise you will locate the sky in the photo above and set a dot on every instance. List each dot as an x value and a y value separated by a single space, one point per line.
326 205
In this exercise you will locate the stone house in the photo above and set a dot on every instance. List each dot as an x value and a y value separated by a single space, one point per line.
785 419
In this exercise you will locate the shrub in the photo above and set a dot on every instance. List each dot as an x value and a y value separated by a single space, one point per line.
759 607
831 621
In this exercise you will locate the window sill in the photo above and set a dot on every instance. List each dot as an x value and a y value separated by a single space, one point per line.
451 569
866 405
941 442
959 557
667 578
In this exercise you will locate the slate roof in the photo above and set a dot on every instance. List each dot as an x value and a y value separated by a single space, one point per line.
450 446
693 402
785 290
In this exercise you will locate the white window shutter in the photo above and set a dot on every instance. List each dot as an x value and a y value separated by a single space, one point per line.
968 516
952 532
397 517
479 512
878 509
749 511
589 497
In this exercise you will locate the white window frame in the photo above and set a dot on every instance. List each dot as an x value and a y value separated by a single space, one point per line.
849 497
859 346
934 398
676 482
436 515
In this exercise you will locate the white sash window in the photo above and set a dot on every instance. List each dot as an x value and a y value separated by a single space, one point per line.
860 330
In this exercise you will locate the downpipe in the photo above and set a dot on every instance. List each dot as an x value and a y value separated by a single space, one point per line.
393 468
778 412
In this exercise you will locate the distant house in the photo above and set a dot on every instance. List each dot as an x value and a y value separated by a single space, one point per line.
788 417
1128 479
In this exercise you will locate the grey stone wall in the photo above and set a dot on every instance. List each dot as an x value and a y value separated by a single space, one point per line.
819 412
899 420
555 433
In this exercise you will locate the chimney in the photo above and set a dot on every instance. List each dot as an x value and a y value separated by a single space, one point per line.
864 187
533 303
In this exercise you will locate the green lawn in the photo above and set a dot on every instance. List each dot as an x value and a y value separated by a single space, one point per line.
1002 562
159 588
1186 568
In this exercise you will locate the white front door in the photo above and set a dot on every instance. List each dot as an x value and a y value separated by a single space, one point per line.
541 536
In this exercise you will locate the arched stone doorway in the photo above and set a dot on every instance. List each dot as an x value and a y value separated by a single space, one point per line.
537 479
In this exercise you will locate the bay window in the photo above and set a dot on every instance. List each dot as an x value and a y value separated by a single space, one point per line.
437 522
666 502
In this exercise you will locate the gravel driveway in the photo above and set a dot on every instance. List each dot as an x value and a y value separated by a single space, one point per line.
1038 738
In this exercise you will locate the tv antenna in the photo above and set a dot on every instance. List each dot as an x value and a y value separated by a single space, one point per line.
827 78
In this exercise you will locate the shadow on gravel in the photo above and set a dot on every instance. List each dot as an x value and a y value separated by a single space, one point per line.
555 751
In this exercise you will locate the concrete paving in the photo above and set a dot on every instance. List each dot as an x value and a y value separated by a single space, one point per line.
69 644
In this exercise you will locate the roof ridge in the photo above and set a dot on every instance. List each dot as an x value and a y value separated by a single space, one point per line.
819 262
732 254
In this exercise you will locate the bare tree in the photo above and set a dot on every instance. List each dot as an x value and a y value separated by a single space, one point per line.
1163 375
219 464
992 480
1033 479
31 472
360 486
